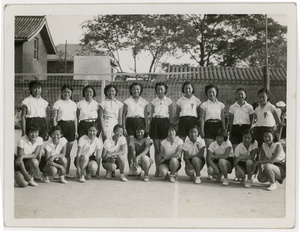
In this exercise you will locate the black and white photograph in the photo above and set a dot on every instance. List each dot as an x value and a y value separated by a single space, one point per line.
150 115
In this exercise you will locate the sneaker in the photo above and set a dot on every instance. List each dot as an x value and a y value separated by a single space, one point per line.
172 179
62 180
197 180
89 176
123 178
209 177
32 183
225 182
108 175
45 179
272 187
176 176
146 178
236 179
56 177
81 179
248 184
70 176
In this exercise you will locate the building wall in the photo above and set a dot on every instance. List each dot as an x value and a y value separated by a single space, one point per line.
31 65
18 57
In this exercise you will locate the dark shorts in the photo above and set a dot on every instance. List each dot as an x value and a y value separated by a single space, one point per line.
211 129
91 158
133 123
167 162
231 161
41 122
184 125
44 162
68 129
17 168
259 134
159 128
83 128
202 159
236 133
242 164
104 162
282 167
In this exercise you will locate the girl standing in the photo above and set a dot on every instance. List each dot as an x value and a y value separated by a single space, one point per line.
65 116
212 115
110 111
240 117
139 149
244 156
134 113
272 161
266 115
115 149
187 110
88 154
87 110
34 110
170 155
160 118
193 150
54 160
220 157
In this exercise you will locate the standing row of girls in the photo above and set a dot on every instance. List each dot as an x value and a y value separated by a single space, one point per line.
103 117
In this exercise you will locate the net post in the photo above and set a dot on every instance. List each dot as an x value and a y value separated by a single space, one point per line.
102 96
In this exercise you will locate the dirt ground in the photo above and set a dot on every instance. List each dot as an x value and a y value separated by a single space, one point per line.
158 198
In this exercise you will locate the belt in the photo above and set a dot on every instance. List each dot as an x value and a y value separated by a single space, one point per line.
68 121
158 116
135 117
89 120
213 120
187 117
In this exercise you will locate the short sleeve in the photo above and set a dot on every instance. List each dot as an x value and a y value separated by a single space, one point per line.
255 145
131 143
228 143
106 144
21 143
169 101
212 147
198 102
99 144
120 104
179 102
180 141
250 109
45 103
81 141
222 106
203 106
79 105
148 141
231 109
163 143
144 102
272 107
123 140
201 143
127 101
185 146
56 105
237 150
25 102
48 147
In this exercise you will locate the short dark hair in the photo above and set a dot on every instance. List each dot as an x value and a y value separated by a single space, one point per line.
116 127
187 83
266 91
133 84
34 83
90 126
207 87
32 127
67 86
270 130
108 87
172 127
248 131
88 87
54 128
241 89
195 127
222 132
141 128
163 84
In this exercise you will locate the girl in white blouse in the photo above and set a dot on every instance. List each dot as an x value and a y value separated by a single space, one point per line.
34 110
87 110
272 161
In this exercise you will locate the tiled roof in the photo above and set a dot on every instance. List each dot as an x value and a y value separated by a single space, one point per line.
27 27
227 74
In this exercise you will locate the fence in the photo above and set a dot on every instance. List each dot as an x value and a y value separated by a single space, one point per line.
53 83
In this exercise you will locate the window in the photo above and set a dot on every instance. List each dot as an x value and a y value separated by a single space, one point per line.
35 48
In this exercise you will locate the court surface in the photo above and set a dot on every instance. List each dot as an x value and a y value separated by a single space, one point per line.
158 198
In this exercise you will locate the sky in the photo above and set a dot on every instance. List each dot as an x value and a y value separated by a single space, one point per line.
70 30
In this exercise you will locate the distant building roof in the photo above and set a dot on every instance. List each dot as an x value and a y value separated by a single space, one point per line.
228 74
27 27
72 50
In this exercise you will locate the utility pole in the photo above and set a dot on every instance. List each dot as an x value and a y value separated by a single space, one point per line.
66 57
266 69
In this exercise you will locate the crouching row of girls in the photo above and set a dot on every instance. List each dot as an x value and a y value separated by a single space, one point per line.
92 153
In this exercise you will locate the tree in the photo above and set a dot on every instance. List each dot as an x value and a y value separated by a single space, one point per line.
231 40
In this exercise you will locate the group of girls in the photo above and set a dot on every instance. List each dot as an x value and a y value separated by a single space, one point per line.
111 131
